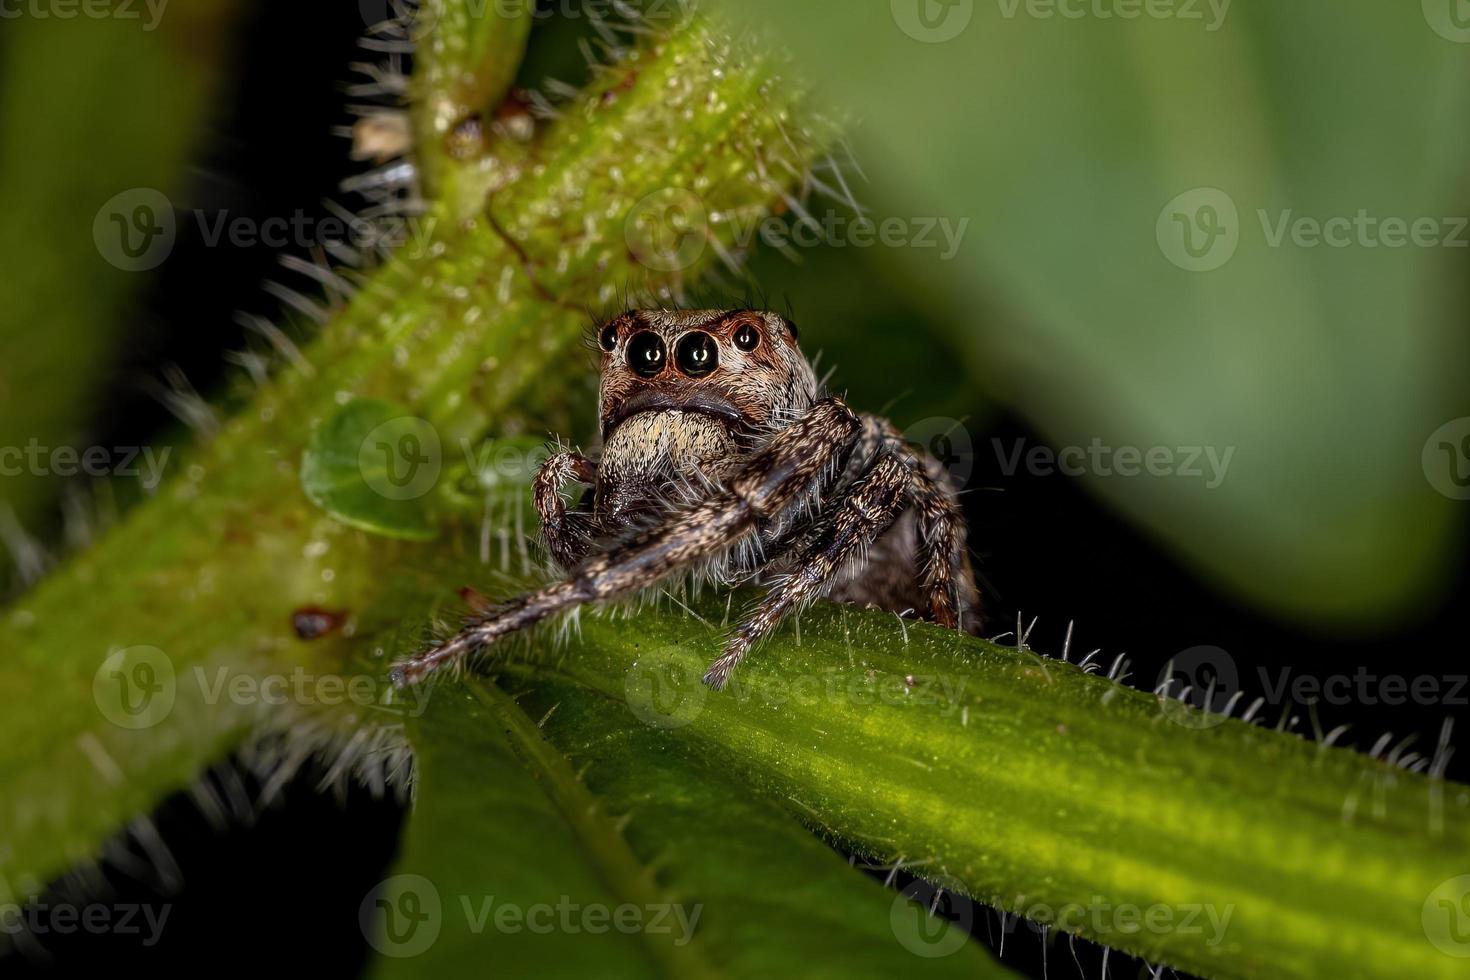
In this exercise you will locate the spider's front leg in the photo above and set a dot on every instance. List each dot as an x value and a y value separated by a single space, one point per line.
566 535
859 518
802 457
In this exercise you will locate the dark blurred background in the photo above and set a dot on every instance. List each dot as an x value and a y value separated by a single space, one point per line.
288 881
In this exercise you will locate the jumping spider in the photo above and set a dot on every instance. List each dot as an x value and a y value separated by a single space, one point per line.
723 458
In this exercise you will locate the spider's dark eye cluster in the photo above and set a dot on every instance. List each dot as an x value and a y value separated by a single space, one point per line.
646 353
609 338
747 338
697 354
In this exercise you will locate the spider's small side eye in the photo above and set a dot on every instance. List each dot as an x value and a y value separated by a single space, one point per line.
646 353
747 338
609 338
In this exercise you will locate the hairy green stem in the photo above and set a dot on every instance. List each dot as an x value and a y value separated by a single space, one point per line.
1208 845
466 56
475 328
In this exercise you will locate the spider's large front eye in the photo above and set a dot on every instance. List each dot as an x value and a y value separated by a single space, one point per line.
697 354
747 338
646 353
609 338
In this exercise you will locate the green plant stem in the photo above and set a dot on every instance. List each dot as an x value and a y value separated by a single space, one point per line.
466 57
1046 791
475 332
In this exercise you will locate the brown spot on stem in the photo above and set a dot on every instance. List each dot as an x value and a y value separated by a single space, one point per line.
312 622
478 602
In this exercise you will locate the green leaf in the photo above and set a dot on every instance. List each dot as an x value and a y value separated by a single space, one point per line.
713 881
1073 142
372 466
501 827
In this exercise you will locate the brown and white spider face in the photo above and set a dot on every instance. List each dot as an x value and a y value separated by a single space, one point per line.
685 393
741 367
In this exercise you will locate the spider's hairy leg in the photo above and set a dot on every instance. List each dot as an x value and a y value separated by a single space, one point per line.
859 518
797 460
944 562
945 573
565 534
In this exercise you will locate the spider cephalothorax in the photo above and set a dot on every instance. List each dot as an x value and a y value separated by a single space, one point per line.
722 457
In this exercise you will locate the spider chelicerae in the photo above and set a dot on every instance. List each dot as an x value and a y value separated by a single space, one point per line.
723 457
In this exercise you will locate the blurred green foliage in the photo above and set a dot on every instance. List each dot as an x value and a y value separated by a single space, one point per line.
1067 135
89 108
